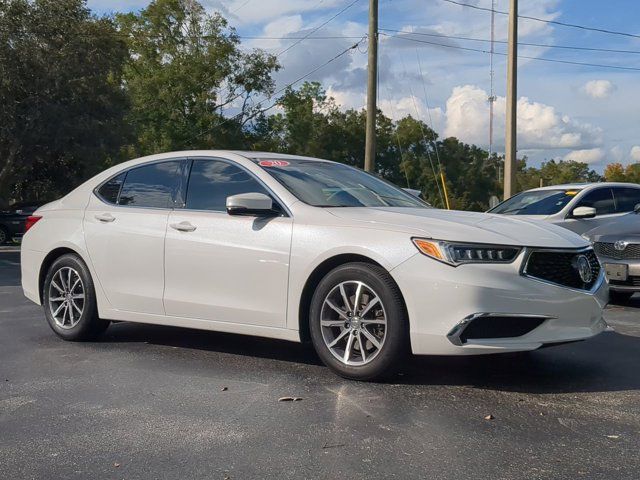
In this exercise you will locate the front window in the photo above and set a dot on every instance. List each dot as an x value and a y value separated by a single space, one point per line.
536 202
328 184
212 181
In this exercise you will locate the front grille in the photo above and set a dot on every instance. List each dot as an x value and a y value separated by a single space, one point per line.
629 282
500 327
562 267
630 252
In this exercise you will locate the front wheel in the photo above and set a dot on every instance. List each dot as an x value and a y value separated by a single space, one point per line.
69 300
358 323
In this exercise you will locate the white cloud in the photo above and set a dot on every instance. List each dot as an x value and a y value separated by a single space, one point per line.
635 153
591 155
617 153
599 88
540 126
259 11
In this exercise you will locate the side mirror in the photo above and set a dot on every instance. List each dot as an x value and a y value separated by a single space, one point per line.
583 212
637 208
253 203
413 191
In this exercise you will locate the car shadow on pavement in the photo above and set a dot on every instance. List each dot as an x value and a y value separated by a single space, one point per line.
605 363
123 332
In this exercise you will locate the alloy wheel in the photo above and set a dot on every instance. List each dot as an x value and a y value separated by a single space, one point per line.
66 297
353 323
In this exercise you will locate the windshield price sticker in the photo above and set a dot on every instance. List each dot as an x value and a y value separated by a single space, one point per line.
273 163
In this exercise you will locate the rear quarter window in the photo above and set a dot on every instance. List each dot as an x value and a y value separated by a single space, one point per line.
110 190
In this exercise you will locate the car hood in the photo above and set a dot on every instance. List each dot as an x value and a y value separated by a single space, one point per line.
464 226
626 227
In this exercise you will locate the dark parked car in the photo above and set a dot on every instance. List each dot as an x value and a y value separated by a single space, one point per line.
617 245
12 220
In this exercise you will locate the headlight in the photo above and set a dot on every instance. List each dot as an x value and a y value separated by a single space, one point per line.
587 238
457 253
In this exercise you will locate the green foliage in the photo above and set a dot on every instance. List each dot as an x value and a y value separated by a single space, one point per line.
61 102
184 68
553 173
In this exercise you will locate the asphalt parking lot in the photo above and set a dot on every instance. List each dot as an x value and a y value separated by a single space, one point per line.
160 402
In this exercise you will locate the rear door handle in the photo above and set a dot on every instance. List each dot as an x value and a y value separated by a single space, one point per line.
105 217
183 227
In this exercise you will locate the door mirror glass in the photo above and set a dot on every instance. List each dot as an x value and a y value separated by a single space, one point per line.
252 203
584 212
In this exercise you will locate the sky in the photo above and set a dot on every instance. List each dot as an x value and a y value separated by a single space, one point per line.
565 111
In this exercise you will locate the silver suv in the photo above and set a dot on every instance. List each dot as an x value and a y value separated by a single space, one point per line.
617 245
578 207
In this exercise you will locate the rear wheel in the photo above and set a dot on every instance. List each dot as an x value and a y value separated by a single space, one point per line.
620 297
69 300
358 322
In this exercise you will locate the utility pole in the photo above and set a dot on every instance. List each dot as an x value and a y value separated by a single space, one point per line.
372 84
512 103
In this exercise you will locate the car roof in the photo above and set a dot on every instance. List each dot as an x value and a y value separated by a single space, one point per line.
249 155
582 186
271 155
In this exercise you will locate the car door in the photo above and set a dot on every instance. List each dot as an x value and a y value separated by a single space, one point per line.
599 198
125 225
226 268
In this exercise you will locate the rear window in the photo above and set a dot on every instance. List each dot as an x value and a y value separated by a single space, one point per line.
626 199
536 202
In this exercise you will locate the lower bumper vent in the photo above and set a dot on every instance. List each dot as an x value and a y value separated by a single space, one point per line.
485 326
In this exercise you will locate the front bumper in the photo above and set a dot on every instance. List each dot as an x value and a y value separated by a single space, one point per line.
439 297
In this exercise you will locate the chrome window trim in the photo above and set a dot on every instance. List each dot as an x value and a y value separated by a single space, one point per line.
456 332
529 250
286 212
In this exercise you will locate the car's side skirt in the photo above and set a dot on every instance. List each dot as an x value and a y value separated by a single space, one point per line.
227 327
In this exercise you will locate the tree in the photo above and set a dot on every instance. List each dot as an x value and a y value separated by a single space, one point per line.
184 73
61 101
555 173
615 172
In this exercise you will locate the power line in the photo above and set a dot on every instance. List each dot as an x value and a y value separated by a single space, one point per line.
318 27
554 22
540 59
527 44
424 136
434 141
330 37
290 84
240 7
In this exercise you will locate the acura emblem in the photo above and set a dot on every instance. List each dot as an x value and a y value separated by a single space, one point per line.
620 245
584 269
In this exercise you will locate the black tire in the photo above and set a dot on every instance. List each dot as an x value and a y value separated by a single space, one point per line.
4 236
89 326
394 348
619 297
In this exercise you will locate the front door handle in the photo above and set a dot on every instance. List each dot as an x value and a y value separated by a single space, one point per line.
105 217
183 226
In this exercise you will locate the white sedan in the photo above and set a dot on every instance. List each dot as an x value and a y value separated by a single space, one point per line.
298 248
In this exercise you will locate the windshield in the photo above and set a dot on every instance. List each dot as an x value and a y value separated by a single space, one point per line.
536 202
325 184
